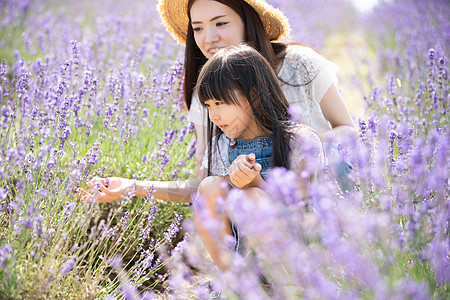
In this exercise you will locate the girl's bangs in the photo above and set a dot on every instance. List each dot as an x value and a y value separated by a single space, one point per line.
218 86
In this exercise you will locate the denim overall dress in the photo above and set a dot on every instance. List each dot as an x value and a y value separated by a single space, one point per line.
262 148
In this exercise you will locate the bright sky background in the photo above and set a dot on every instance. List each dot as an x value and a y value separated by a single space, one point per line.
364 5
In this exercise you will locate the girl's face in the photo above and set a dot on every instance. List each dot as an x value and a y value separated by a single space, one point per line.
237 122
215 26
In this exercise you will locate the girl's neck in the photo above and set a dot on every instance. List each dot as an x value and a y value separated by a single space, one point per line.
263 133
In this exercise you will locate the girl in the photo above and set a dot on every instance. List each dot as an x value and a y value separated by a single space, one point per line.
249 133
308 80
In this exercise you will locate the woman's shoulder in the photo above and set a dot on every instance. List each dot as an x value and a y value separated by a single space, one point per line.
305 138
301 52
303 64
300 59
303 132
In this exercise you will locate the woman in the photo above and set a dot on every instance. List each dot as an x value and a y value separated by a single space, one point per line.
308 80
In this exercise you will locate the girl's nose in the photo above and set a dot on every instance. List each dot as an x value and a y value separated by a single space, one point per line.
213 115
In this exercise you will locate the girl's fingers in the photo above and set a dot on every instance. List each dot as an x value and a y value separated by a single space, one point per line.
238 177
251 158
240 164
250 170
235 175
245 168
242 160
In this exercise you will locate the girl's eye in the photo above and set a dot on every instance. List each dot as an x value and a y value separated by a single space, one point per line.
218 103
197 29
220 24
206 105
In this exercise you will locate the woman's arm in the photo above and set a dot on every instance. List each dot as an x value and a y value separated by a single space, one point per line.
201 135
335 111
114 188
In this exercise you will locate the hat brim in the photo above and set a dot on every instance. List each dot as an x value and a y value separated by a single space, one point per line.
174 16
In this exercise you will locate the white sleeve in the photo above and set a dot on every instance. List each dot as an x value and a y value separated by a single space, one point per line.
321 72
325 78
219 157
198 114
307 150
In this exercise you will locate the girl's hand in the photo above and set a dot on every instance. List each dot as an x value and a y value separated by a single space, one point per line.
106 189
244 171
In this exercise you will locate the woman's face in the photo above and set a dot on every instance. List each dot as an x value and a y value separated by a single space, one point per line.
215 26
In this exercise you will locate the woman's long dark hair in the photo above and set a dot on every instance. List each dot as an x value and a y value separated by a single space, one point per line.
242 69
255 36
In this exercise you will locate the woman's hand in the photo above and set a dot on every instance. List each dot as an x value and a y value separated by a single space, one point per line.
106 189
244 171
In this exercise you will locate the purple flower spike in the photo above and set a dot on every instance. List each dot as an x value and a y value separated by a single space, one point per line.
68 266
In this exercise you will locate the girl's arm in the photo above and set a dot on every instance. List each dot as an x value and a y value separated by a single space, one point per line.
335 111
114 188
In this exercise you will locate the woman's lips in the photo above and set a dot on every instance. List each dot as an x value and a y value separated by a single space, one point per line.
213 51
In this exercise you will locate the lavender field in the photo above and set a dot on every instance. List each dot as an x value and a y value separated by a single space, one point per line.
92 88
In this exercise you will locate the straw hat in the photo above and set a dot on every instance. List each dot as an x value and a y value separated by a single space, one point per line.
174 17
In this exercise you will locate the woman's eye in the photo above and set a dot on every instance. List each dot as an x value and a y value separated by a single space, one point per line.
220 24
207 105
218 103
197 29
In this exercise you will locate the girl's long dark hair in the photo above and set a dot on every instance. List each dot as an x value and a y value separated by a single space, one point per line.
242 69
255 35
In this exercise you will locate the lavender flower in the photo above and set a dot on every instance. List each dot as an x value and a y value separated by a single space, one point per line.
173 228
5 255
68 266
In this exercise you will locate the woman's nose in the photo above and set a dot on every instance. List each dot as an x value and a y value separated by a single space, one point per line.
211 35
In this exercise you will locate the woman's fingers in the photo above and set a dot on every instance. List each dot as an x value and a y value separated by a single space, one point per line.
100 194
83 195
94 180
102 188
